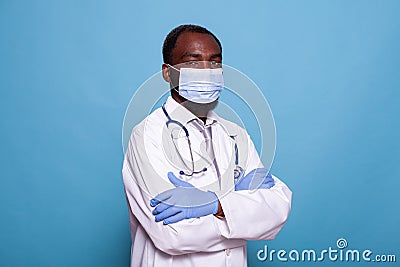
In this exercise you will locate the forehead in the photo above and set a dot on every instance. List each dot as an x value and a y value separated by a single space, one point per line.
195 43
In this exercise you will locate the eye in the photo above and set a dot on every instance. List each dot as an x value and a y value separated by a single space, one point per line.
192 63
216 64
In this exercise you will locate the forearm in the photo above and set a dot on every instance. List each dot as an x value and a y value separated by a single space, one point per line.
178 238
255 215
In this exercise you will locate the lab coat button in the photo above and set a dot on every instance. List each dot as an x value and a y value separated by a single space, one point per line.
228 252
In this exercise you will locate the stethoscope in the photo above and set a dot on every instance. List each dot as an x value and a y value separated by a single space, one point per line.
238 170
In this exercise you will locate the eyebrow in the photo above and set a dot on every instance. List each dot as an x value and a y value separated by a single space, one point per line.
216 55
199 55
190 55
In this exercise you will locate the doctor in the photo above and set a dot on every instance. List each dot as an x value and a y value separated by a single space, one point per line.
195 186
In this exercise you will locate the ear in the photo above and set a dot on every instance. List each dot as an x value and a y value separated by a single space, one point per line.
165 73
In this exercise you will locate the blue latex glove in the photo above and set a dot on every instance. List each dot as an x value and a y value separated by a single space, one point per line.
258 178
183 202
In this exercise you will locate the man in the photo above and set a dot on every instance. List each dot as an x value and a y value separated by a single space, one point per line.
188 206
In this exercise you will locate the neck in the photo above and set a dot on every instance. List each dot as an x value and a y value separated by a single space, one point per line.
177 97
203 119
199 110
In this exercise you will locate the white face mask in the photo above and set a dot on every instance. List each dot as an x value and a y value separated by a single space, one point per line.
200 85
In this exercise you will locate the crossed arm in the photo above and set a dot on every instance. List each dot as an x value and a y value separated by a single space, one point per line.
249 215
186 201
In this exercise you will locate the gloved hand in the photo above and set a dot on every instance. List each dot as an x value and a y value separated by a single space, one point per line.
183 202
258 178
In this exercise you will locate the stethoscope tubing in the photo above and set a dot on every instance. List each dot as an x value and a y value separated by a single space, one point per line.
238 169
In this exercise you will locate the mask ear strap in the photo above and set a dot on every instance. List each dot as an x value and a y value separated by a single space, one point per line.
172 67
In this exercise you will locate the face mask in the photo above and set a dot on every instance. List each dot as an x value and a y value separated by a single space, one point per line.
200 85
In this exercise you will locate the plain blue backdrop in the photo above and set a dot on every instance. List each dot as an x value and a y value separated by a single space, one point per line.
329 69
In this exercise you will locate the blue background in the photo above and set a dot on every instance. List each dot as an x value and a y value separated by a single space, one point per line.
329 69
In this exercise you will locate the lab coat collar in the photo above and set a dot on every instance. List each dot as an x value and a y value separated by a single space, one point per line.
178 112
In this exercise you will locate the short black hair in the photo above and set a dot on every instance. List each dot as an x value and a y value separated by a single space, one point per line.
170 40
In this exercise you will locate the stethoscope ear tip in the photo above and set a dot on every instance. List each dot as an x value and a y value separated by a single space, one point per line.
181 172
204 169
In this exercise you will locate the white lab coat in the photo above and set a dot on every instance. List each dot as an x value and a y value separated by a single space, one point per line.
204 241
